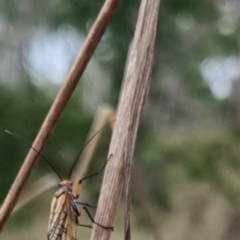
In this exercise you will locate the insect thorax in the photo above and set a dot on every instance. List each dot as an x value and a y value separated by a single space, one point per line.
66 186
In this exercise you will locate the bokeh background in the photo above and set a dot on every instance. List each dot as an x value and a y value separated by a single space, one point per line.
186 179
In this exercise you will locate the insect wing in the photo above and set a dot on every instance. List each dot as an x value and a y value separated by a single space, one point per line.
62 223
70 233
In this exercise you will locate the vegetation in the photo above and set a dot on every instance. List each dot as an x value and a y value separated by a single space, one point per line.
188 146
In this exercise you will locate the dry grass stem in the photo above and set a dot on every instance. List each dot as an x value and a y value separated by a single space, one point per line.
134 94
42 185
102 117
57 108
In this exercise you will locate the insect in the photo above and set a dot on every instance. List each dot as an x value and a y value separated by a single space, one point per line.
64 211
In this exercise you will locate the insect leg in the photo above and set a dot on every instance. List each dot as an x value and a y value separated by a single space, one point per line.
84 209
85 204
79 187
83 225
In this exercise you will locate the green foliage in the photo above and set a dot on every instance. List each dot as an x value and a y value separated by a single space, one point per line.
188 33
24 115
193 157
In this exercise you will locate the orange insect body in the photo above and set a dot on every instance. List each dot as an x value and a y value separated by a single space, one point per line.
64 211
64 214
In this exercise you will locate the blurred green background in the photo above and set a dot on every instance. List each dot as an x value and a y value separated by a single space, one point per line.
186 182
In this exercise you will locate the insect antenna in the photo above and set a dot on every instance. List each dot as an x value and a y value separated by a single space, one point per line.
84 146
42 156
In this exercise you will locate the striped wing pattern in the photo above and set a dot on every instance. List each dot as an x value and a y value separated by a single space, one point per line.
62 222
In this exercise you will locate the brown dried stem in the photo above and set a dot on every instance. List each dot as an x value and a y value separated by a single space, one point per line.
37 188
102 117
57 108
135 91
